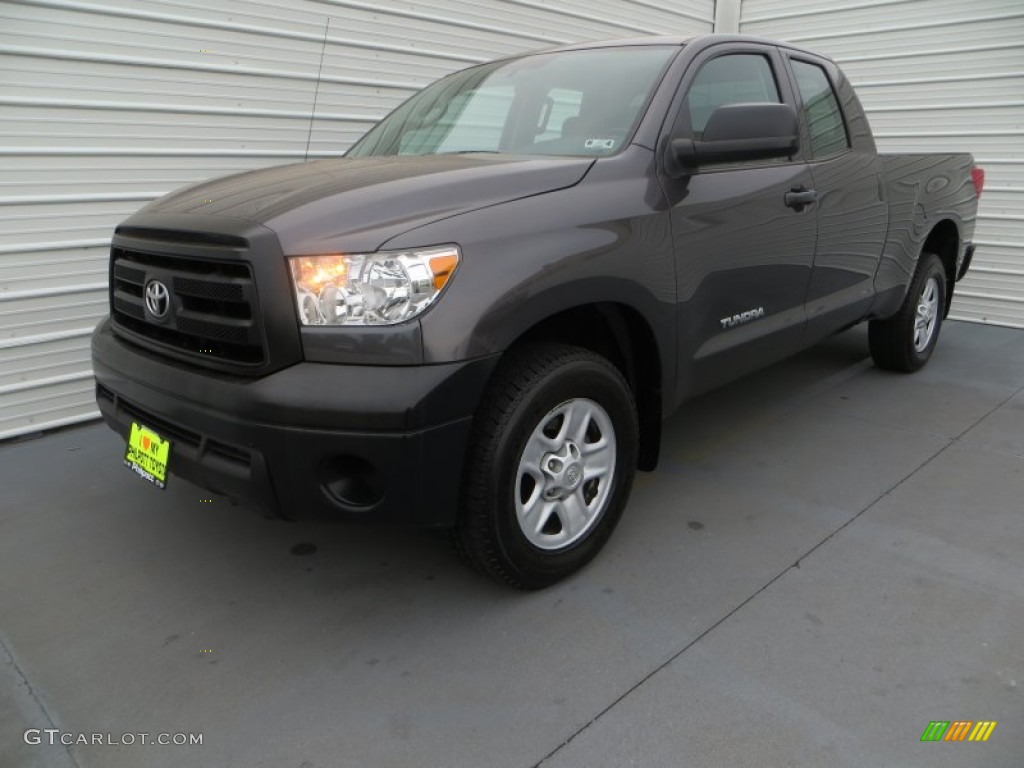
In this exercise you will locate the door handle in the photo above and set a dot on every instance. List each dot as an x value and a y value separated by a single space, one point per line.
800 197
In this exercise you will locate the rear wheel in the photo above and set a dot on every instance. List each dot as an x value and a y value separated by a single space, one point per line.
905 341
550 467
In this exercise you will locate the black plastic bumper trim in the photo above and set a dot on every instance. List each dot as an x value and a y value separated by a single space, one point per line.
271 442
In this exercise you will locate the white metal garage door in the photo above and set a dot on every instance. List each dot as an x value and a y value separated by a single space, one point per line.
935 75
109 104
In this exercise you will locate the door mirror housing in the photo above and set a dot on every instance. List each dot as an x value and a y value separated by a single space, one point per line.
738 132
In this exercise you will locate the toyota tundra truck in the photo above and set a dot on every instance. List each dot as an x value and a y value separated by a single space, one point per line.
479 316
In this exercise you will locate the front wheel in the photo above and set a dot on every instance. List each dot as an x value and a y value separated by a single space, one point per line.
905 341
550 465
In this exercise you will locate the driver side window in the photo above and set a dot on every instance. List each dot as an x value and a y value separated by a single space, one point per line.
739 78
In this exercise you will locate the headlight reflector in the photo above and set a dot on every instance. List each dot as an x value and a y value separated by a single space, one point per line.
370 288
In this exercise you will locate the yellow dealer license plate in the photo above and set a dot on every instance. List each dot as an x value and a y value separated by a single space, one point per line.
147 455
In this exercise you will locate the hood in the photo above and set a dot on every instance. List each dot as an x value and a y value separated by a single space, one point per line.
360 203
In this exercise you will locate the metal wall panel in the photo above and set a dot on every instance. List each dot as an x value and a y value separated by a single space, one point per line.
109 104
942 76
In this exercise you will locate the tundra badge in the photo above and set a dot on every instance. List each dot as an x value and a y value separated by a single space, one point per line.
742 317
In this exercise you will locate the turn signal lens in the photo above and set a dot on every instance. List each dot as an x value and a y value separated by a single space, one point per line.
442 267
370 288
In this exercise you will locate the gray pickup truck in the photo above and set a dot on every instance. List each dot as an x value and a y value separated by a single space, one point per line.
478 318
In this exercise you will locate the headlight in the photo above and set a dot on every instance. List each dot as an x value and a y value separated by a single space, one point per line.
370 288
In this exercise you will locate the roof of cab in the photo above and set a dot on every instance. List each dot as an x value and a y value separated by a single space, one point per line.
707 39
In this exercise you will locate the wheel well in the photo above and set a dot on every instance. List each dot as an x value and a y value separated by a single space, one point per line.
944 241
621 335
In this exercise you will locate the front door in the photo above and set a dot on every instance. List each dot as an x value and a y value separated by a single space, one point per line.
744 248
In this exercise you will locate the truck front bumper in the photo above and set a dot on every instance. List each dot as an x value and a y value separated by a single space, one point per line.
381 444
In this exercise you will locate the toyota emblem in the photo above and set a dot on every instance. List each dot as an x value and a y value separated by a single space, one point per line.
158 299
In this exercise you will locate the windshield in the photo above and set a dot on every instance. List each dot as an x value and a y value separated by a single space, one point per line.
585 103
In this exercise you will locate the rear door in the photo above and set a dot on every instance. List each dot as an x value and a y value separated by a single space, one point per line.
743 257
852 213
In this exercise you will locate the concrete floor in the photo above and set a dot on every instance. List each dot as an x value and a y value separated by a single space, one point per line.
829 558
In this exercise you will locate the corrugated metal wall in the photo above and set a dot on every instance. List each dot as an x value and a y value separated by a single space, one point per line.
109 104
935 75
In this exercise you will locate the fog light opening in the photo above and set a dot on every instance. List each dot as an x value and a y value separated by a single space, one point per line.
351 482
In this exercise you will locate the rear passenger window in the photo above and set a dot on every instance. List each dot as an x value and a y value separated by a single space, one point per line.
740 78
825 120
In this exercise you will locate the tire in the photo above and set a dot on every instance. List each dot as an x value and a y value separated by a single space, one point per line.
550 465
905 341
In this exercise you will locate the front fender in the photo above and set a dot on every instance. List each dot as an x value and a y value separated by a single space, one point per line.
606 240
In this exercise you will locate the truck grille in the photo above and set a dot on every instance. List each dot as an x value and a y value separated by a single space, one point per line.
211 306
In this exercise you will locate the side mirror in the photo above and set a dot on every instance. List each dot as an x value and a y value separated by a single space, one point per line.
742 132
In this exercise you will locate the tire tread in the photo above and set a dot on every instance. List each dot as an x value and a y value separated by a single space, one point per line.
524 367
891 339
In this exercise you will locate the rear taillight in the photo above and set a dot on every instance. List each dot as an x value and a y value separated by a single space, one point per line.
978 177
